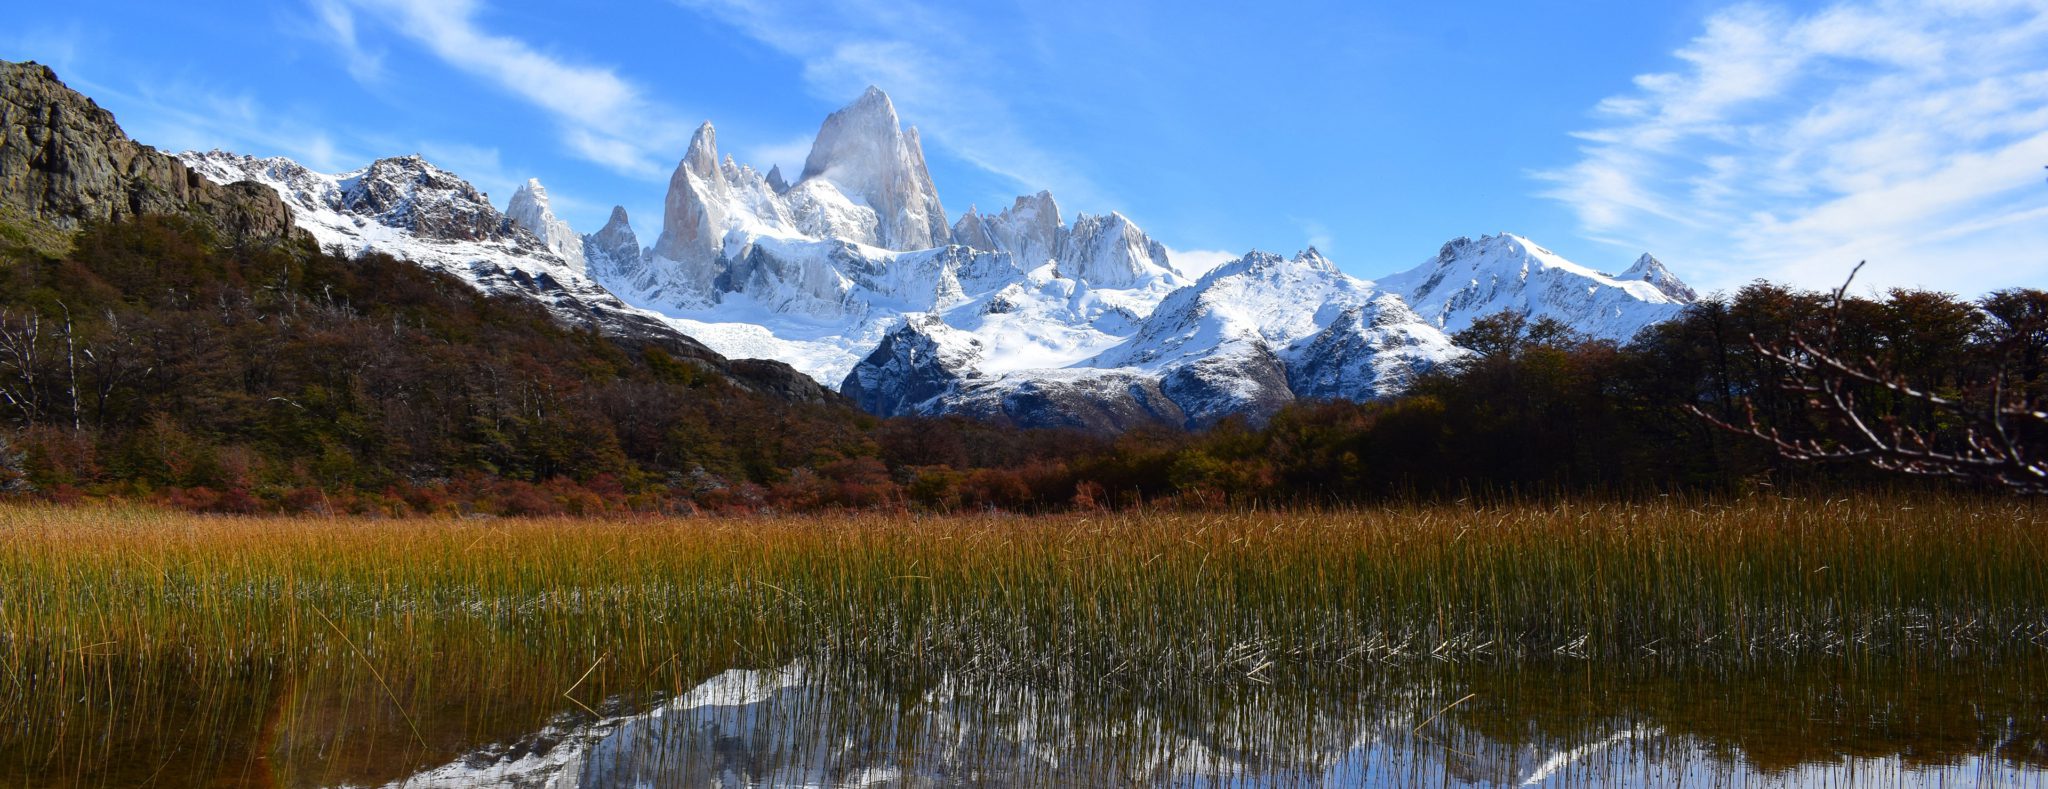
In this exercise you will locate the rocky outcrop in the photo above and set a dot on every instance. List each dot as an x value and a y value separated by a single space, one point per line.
1370 350
921 360
64 160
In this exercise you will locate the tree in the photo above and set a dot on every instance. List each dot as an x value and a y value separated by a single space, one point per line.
1991 430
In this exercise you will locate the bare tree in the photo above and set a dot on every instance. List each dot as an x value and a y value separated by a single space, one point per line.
1996 441
21 346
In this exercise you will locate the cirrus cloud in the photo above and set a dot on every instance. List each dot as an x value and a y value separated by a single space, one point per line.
604 118
1790 146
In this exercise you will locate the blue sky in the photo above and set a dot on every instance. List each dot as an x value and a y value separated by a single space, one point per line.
1735 141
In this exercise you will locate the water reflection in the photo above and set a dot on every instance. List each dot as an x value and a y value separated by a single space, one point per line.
798 725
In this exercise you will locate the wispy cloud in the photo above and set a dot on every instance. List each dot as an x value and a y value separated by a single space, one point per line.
604 118
1317 234
182 115
788 154
1908 132
934 65
1196 262
337 26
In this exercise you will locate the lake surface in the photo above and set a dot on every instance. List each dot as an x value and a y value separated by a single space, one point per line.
1895 722
793 726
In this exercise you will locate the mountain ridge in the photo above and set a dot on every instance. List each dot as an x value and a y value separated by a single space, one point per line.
851 275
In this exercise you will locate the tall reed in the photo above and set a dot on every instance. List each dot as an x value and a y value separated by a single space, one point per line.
132 606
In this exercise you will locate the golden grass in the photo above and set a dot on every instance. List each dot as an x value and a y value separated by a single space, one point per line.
1200 593
165 615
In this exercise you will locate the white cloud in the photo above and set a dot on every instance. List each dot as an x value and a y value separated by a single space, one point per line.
1196 262
337 25
605 119
788 154
1907 132
933 64
1318 235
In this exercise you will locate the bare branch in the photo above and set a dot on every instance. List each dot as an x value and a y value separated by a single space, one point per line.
1988 448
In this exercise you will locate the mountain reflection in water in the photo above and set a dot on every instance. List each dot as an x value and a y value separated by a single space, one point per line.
795 726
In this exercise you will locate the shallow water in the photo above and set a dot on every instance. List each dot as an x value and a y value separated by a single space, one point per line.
796 725
1896 722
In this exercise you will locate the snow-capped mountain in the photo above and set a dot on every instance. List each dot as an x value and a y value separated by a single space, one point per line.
852 275
613 248
1471 279
1247 338
817 272
410 209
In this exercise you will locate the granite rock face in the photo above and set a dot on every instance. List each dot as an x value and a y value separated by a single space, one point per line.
693 222
863 150
64 160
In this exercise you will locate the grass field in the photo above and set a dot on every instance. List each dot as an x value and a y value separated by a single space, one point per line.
119 626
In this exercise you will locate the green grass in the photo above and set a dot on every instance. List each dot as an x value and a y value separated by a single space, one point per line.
173 618
19 232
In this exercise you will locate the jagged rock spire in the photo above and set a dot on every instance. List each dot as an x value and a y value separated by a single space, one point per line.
615 249
530 209
693 216
863 152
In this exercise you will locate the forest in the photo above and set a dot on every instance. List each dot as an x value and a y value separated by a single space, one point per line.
151 362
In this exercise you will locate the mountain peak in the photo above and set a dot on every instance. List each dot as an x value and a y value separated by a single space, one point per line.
1470 279
615 249
1041 203
1651 270
1110 251
1254 260
875 97
1314 257
532 190
863 151
702 156
529 209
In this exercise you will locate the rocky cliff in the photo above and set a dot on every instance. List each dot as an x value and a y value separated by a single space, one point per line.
64 160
